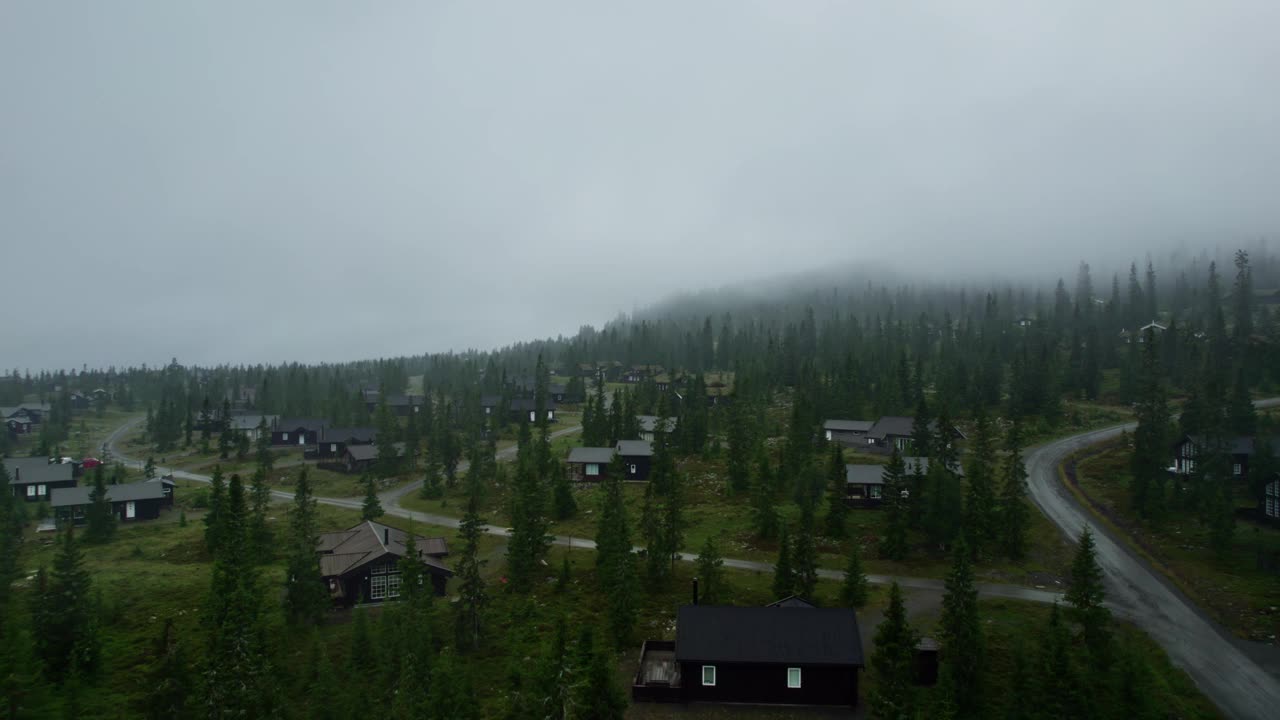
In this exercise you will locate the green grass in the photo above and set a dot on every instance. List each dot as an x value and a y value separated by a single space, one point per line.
1233 589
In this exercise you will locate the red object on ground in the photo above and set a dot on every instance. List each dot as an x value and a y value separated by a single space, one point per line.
90 463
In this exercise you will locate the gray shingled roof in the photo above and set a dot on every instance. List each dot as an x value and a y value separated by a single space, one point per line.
67 497
27 471
864 474
599 455
635 448
848 425
346 550
766 635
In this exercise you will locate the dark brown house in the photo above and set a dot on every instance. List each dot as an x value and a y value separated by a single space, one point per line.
35 479
130 502
637 456
360 458
362 563
304 432
588 464
1240 449
792 654
333 442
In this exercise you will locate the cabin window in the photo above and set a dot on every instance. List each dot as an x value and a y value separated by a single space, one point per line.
875 492
1235 469
593 469
130 510
486 410
828 435
384 581
551 414
31 491
856 491
709 675
633 468
333 447
533 416
793 678
286 437
42 490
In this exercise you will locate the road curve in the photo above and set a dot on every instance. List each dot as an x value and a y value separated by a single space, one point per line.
1226 675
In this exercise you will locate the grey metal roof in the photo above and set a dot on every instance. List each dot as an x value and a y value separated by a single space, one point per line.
864 474
635 448
527 404
28 471
599 455
892 425
766 635
347 435
848 425
295 424
64 497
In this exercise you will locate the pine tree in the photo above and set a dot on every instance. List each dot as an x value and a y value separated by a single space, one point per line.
1057 680
615 563
99 518
388 463
236 678
961 634
893 546
855 589
562 502
980 503
837 489
594 694
1150 439
259 531
892 666
169 678
711 573
65 624
213 518
305 597
784 575
805 555
529 539
741 449
1014 516
764 509
371 509
473 597
1087 595
262 445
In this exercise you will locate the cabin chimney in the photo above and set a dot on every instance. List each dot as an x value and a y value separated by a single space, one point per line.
386 536
695 591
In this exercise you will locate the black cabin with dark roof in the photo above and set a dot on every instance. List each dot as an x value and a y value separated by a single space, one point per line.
35 479
297 431
362 563
334 441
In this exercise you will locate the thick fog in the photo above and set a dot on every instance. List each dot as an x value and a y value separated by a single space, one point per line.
268 181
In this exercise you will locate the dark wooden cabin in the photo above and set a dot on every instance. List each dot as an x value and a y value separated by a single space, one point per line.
360 458
1240 449
637 456
131 502
852 433
792 654
35 479
362 563
1269 508
297 431
527 409
588 464
864 485
333 442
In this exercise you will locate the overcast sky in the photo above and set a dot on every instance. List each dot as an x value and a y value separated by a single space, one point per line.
269 181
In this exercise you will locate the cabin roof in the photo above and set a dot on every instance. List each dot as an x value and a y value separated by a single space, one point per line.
64 497
809 636
635 448
346 550
308 424
848 425
250 422
26 471
649 423
864 474
599 455
349 435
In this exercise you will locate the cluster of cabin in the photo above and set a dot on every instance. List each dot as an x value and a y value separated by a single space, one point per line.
57 482
589 464
878 436
1241 451
23 419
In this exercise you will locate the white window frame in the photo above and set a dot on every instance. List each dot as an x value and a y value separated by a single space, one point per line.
1236 469
285 438
31 491
593 469
828 436
333 447
551 414
793 685
875 492
705 668
533 416
377 587
633 468
130 510
42 490
393 585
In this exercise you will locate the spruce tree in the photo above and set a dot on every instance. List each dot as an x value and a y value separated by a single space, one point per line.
764 508
784 575
259 531
65 624
1086 594
594 694
855 588
100 520
805 555
305 596
893 546
615 563
213 518
1014 517
473 596
711 573
837 489
562 502
961 634
1150 439
529 539
980 502
169 678
262 445
371 508
1058 690
892 666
